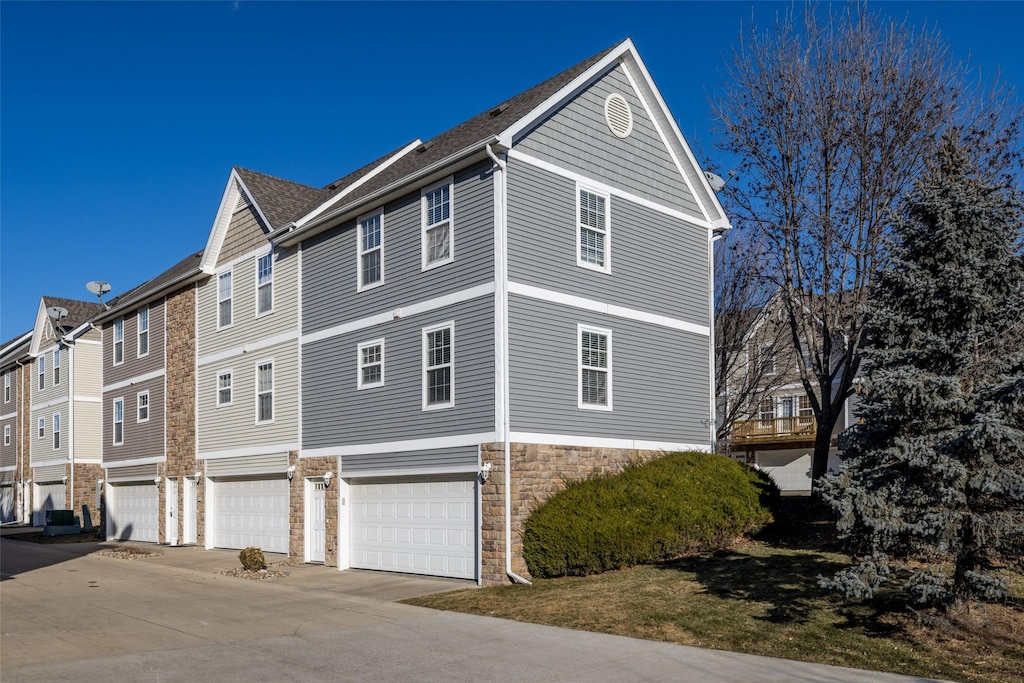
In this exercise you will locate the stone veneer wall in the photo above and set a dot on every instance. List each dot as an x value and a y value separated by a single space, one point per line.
86 476
312 467
180 409
538 472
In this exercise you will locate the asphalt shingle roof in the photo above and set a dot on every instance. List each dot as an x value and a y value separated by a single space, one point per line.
280 200
79 312
140 292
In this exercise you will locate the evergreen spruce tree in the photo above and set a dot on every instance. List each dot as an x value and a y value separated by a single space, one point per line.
931 495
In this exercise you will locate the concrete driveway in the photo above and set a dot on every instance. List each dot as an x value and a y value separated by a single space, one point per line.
68 614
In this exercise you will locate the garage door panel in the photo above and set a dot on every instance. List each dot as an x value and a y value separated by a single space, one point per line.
135 512
252 512
421 527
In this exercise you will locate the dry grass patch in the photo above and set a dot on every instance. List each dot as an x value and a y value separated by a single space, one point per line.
762 598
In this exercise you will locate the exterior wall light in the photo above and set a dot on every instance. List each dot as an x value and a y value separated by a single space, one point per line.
328 475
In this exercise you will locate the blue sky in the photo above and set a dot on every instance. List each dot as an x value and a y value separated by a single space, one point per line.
120 122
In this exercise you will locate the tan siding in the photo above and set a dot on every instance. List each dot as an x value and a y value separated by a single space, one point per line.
12 405
244 235
87 431
88 371
234 426
9 453
245 327
49 392
42 450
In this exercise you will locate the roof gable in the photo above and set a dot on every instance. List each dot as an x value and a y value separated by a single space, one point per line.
45 330
236 190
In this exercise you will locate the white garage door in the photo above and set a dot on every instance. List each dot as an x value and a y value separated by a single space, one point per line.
414 525
790 470
7 503
251 512
48 497
134 512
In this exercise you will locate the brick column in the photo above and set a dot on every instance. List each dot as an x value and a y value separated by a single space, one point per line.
311 468
180 408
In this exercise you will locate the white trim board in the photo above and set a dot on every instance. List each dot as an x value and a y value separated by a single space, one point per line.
400 446
485 289
597 442
134 380
608 309
258 345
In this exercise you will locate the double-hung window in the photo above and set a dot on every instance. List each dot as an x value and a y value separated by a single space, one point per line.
265 392
118 421
371 253
766 414
224 299
265 284
41 425
42 372
7 387
438 366
595 368
437 220
224 388
7 435
766 359
118 341
142 405
143 321
592 232
56 431
56 366
371 364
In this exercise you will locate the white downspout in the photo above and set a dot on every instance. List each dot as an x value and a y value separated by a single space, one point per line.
71 419
502 296
714 236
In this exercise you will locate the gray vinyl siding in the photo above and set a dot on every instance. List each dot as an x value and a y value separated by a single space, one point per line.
246 327
9 453
440 458
335 413
659 263
146 473
274 463
234 426
576 137
141 439
42 450
133 365
660 377
329 261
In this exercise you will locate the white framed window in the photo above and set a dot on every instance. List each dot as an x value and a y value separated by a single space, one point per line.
224 380
7 387
118 341
118 421
593 235
265 284
265 392
595 367
438 366
7 435
766 413
371 364
766 359
142 406
224 300
438 234
371 251
41 425
56 431
56 366
42 372
143 321
787 406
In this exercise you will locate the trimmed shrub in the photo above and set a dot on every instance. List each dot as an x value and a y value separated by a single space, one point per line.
651 512
252 559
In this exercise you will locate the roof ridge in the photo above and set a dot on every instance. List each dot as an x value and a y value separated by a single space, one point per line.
274 177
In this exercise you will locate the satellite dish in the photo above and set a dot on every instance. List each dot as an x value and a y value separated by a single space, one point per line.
97 287
57 313
716 181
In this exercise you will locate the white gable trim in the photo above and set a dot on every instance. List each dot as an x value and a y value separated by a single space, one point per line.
234 189
359 183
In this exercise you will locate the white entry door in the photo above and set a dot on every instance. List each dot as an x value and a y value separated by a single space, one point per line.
189 526
316 519
415 525
171 506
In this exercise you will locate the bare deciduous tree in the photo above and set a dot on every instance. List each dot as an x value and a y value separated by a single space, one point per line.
832 116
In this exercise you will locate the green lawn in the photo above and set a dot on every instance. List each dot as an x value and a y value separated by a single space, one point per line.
762 598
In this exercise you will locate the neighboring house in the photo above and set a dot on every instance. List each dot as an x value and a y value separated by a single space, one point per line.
149 463
521 300
15 498
64 416
776 428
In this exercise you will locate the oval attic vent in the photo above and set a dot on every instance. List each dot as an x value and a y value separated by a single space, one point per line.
618 115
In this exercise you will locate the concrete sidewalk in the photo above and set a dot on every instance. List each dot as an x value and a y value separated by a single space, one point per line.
70 614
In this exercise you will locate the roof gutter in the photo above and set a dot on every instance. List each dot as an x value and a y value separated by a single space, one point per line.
186 278
294 234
